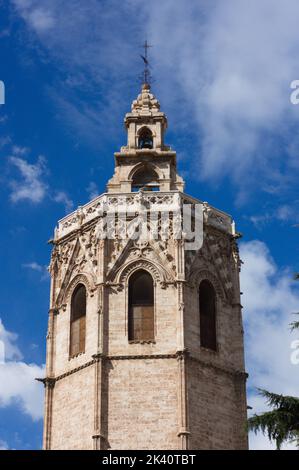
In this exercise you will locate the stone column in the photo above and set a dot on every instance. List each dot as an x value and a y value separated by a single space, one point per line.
49 389
98 435
179 260
49 381
51 341
99 438
183 432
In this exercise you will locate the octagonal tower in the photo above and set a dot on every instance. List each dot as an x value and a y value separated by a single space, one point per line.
145 338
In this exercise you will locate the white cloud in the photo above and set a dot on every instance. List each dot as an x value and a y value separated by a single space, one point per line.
40 18
260 220
34 266
18 386
19 151
223 69
92 190
261 442
267 291
285 213
234 62
31 186
17 379
9 339
62 197
3 445
270 297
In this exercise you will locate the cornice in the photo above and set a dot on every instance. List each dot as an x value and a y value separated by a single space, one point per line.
178 355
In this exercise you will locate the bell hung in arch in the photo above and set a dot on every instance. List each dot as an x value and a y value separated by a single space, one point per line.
145 162
145 139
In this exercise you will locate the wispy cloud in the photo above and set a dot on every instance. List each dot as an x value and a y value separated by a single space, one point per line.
96 79
233 62
63 198
20 151
31 185
270 297
34 266
230 62
92 190
285 213
40 18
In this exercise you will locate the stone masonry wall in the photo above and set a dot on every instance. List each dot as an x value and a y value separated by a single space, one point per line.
72 416
217 409
142 404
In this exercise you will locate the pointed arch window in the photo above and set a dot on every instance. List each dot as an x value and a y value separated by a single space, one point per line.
145 140
78 321
145 178
141 307
207 312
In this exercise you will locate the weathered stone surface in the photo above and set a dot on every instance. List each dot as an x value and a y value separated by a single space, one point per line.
169 393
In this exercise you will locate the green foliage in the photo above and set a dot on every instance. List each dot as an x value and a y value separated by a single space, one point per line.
282 423
295 324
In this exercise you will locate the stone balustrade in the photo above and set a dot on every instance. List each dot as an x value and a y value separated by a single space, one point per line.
133 203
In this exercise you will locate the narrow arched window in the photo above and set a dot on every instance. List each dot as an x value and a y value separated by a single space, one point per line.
145 139
207 312
141 307
78 321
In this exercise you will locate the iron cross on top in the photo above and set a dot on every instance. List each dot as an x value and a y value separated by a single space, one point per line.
146 72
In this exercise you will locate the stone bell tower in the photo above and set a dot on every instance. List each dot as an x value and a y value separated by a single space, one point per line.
145 339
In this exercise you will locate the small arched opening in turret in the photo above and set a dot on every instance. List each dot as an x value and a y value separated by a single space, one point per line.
145 178
145 138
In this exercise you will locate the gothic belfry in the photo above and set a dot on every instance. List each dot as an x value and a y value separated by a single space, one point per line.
145 339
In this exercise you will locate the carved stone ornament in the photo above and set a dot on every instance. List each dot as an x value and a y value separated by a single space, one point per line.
213 257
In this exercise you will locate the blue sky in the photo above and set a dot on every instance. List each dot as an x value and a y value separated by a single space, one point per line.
222 74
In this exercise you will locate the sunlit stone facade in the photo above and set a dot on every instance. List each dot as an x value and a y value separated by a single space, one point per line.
163 390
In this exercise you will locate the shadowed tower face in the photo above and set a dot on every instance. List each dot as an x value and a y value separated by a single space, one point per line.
145 340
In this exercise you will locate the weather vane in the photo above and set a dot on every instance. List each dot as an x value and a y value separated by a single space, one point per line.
146 74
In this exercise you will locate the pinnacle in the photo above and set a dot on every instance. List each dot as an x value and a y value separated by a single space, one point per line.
145 101
146 86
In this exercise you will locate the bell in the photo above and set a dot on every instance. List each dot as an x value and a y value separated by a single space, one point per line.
146 143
